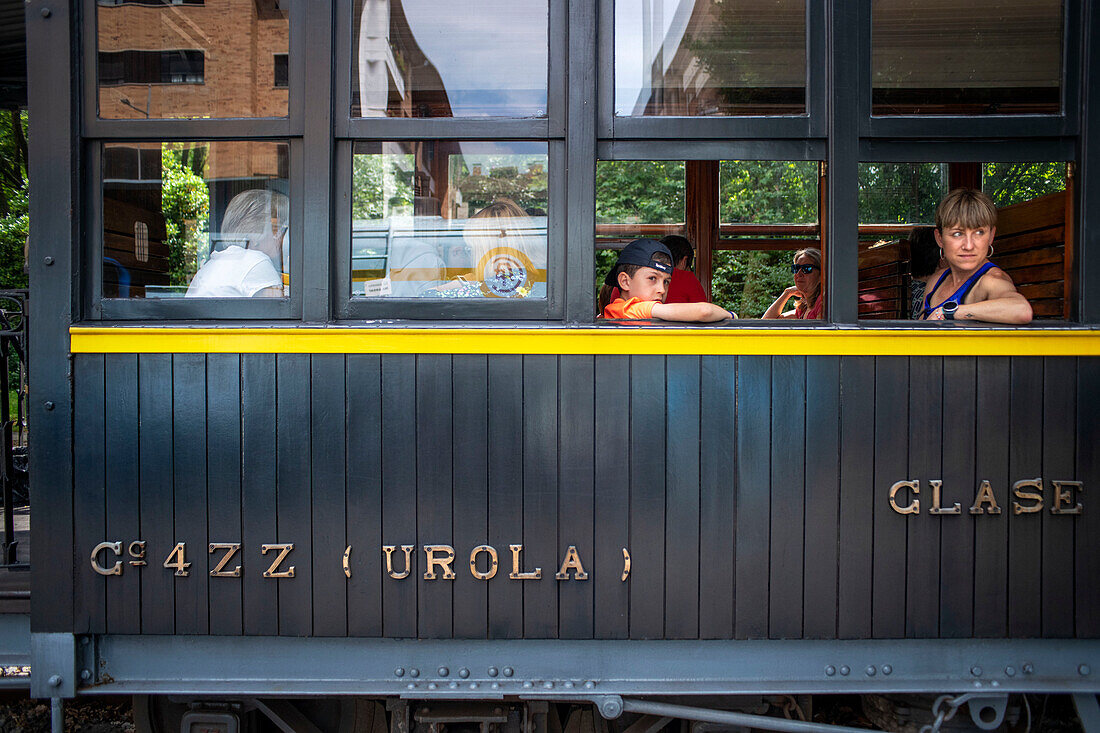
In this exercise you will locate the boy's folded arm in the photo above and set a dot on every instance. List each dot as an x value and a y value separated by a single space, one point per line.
703 312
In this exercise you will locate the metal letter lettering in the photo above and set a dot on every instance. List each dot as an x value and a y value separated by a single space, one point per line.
447 556
492 553
936 508
1066 497
571 560
284 550
1037 497
136 550
914 506
985 496
179 552
388 550
231 549
115 547
516 574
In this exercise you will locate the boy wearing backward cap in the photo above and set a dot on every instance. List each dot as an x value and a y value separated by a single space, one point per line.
642 274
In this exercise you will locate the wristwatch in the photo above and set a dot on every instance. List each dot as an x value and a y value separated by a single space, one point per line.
949 309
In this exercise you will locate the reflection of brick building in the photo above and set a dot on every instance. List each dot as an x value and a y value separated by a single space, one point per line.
212 58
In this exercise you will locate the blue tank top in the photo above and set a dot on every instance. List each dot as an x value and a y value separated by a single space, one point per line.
957 296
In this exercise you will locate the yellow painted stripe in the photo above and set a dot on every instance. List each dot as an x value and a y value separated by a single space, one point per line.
606 340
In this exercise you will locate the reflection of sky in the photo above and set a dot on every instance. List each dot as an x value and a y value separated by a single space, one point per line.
489 53
631 68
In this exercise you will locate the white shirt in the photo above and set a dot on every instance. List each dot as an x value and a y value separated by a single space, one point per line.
234 272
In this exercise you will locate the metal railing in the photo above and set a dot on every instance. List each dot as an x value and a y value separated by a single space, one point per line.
13 418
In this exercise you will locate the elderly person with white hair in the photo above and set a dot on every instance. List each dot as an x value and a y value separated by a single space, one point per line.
253 228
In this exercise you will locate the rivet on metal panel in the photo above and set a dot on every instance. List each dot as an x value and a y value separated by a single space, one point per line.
495 685
47 261
414 672
844 670
528 683
569 685
48 405
411 685
492 671
399 672
1084 670
830 671
85 674
548 685
871 671
887 669
84 641
46 12
463 673
1029 668
976 671
473 685
453 685
431 685
55 680
590 685
508 671
443 671
1010 671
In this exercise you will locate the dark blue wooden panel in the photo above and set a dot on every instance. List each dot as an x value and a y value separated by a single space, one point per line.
822 496
1025 531
399 492
505 491
223 420
328 402
788 496
189 496
682 473
294 500
89 497
470 443
753 497
612 500
433 490
157 525
258 493
123 497
1087 566
857 500
363 523
956 576
540 494
891 459
1059 461
647 494
991 538
717 511
925 427
577 491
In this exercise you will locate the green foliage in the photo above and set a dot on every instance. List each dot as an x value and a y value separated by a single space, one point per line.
185 202
14 198
640 192
900 193
1013 183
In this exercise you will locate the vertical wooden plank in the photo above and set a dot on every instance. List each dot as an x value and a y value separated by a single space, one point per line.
258 493
788 496
753 497
505 491
857 500
891 458
189 481
1087 565
123 497
647 493
1025 460
991 538
89 495
925 435
223 420
682 475
717 511
701 197
822 497
399 492
612 501
470 441
1059 421
540 494
328 402
956 574
576 490
433 490
155 490
292 397
363 524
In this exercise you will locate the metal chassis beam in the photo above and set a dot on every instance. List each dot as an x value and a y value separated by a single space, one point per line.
561 670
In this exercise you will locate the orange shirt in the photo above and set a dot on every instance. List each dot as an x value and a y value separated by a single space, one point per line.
633 308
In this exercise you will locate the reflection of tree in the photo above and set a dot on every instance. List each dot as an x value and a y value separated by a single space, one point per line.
646 192
185 203
900 193
1012 183
502 178
370 186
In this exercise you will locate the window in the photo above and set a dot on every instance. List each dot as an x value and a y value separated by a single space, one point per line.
151 67
282 71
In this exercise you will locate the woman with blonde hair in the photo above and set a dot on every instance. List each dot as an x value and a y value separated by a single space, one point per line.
807 288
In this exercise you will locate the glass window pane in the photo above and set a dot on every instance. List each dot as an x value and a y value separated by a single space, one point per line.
979 57
218 58
1015 183
196 219
449 219
710 57
900 193
430 58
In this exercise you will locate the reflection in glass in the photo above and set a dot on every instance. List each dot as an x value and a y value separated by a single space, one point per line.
979 57
710 57
1014 183
449 219
214 59
196 219
431 58
900 193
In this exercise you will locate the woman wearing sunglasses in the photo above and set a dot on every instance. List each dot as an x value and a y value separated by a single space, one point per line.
807 288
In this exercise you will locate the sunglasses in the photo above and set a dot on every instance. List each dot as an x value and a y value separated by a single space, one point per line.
806 269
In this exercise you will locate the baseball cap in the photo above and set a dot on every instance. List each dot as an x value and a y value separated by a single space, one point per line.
640 252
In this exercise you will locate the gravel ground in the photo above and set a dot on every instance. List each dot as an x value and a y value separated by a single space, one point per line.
22 715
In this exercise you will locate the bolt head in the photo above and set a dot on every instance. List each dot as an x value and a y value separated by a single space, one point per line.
1084 670
399 672
463 673
508 671
85 674
54 680
48 405
845 670
611 708
887 669
46 12
443 671
47 261
830 671
414 672
1010 671
976 671
871 671
1029 668
493 671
